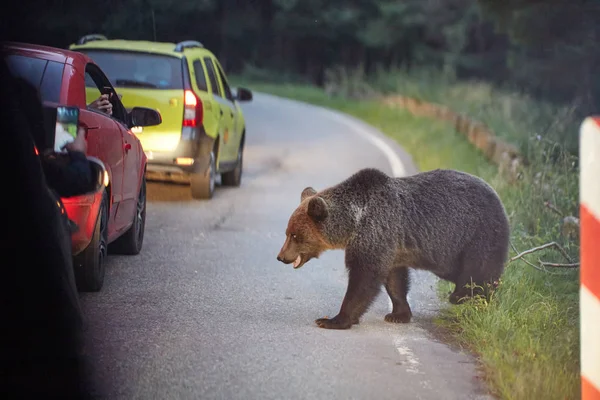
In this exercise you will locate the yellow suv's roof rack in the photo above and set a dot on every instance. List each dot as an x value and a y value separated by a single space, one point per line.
90 38
188 44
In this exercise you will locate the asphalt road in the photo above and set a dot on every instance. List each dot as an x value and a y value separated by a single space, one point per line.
207 312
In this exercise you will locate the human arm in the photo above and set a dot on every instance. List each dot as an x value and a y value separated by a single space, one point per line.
103 104
70 174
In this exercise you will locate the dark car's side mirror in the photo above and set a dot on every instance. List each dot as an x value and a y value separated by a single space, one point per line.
142 116
244 94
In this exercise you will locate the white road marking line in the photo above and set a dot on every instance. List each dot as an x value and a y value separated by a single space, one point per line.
408 355
398 168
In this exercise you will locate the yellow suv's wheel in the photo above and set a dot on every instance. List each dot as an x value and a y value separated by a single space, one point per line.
234 177
203 184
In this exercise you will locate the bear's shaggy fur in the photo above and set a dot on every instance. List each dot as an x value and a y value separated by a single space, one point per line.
447 222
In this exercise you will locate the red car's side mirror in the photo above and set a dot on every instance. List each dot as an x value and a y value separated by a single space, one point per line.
143 116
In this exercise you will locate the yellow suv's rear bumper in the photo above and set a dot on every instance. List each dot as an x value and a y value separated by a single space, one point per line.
190 156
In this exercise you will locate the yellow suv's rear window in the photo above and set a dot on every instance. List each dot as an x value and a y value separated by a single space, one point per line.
139 70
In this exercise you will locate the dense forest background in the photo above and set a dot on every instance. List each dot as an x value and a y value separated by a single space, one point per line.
545 47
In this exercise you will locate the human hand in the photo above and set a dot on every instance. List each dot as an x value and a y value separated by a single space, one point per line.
103 104
79 144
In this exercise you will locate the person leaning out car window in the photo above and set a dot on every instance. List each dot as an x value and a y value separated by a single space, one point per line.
103 104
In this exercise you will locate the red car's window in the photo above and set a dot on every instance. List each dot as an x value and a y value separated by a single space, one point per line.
45 76
52 81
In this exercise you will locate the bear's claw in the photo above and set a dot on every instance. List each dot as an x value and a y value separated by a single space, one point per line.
397 318
335 323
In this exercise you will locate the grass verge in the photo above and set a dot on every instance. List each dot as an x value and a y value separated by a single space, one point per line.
526 333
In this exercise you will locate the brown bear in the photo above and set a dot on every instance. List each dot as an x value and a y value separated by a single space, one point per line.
444 221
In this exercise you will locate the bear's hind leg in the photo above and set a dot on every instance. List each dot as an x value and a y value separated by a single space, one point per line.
479 270
363 288
397 285
465 289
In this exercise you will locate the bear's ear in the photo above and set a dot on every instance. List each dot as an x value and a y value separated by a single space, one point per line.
307 192
317 209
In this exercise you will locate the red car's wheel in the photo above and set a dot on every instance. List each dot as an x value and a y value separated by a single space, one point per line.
90 263
131 241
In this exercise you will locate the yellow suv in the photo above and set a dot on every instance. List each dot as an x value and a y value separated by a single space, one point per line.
203 128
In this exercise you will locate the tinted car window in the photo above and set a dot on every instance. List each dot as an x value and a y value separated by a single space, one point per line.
139 70
200 76
92 91
45 76
212 76
52 81
228 94
28 68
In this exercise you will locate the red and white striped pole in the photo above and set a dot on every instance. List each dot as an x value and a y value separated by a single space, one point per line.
589 292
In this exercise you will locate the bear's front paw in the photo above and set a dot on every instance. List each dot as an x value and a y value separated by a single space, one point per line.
337 322
403 317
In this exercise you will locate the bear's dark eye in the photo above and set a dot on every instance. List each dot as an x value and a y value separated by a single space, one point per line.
294 236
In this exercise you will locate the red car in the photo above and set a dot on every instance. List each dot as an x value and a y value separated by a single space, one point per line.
115 214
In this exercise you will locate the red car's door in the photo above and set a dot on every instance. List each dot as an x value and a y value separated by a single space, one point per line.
131 175
105 142
127 171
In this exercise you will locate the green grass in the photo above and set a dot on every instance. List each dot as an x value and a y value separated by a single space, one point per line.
526 333
514 116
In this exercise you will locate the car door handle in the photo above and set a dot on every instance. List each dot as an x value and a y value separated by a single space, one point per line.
88 126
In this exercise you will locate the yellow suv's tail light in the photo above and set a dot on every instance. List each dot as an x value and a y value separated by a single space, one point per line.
192 112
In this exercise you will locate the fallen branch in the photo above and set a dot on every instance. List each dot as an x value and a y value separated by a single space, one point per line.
542 247
553 208
558 265
526 261
543 264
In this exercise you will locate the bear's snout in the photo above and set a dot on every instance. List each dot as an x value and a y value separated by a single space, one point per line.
285 250
283 259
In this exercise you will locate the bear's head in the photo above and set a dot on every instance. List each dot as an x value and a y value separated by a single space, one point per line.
304 239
